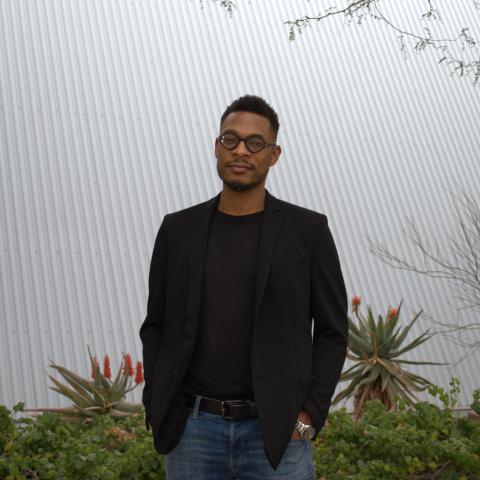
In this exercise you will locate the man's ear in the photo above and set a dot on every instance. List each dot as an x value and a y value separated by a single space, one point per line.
277 150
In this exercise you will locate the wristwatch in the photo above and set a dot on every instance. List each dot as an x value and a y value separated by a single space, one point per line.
307 432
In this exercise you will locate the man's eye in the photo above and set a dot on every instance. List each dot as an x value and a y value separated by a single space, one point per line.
256 142
229 140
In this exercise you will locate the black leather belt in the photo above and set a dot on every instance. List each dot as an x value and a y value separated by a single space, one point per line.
228 409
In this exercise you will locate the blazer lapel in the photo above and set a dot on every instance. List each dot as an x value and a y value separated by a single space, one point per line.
272 219
198 249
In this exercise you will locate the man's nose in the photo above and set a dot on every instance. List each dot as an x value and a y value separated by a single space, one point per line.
241 148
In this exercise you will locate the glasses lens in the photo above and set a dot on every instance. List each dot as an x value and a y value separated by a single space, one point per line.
229 141
255 144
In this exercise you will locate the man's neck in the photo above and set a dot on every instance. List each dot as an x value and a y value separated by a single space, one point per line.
242 203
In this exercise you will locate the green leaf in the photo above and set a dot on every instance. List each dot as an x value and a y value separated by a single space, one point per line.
128 406
386 377
80 384
347 392
415 343
392 367
120 414
71 394
371 377
358 345
351 373
412 362
405 331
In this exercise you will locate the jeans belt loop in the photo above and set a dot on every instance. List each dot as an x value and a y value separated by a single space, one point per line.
196 406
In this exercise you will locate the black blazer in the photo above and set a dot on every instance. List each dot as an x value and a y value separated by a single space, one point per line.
298 279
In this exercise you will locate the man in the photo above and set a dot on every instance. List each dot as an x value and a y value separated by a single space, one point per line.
235 385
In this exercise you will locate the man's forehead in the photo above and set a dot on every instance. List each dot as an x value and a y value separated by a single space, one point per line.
246 122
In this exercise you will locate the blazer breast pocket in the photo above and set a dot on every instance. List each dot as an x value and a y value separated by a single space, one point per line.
286 266
290 261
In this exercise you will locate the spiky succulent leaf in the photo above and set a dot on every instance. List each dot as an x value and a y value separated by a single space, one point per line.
401 337
130 407
352 371
120 414
73 395
413 362
413 344
88 412
386 378
347 392
73 378
371 377
358 344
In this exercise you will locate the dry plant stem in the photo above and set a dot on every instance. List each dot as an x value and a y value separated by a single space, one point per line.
458 263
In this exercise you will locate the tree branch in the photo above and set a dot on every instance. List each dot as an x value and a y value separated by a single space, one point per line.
362 8
461 267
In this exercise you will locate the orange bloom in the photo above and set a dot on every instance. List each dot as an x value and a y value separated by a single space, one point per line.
94 367
139 374
392 312
356 301
107 371
128 370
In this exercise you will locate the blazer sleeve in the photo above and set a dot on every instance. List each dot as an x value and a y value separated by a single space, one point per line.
151 331
329 308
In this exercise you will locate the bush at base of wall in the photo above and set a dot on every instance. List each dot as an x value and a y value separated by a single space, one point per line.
416 442
53 448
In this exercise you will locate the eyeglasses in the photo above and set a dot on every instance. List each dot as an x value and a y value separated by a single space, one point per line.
254 143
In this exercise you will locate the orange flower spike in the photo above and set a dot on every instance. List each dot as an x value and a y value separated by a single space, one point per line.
139 374
94 367
356 301
392 312
107 371
128 370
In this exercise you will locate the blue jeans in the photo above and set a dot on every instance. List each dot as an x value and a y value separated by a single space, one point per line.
214 448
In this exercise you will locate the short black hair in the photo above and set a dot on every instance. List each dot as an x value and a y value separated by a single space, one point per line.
254 104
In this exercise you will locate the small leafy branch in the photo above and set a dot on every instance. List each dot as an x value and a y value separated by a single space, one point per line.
358 10
227 5
449 399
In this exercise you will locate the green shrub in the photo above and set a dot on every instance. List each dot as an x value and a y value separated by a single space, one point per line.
53 448
421 441
476 402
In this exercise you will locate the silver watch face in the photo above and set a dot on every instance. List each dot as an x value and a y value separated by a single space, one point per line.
309 432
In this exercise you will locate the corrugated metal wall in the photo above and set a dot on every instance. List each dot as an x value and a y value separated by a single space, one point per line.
108 111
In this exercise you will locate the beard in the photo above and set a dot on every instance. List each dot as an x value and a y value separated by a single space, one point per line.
239 186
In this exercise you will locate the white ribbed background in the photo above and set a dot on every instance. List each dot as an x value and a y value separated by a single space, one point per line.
108 111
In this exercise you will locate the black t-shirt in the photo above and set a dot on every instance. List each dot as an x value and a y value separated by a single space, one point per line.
220 365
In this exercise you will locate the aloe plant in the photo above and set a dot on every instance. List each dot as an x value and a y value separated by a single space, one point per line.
376 346
98 395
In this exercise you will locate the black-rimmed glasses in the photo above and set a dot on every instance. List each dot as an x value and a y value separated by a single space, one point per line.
254 143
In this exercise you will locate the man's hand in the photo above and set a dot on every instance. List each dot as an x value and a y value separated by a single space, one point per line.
304 417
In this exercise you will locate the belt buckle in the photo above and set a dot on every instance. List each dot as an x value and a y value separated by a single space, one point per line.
222 409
